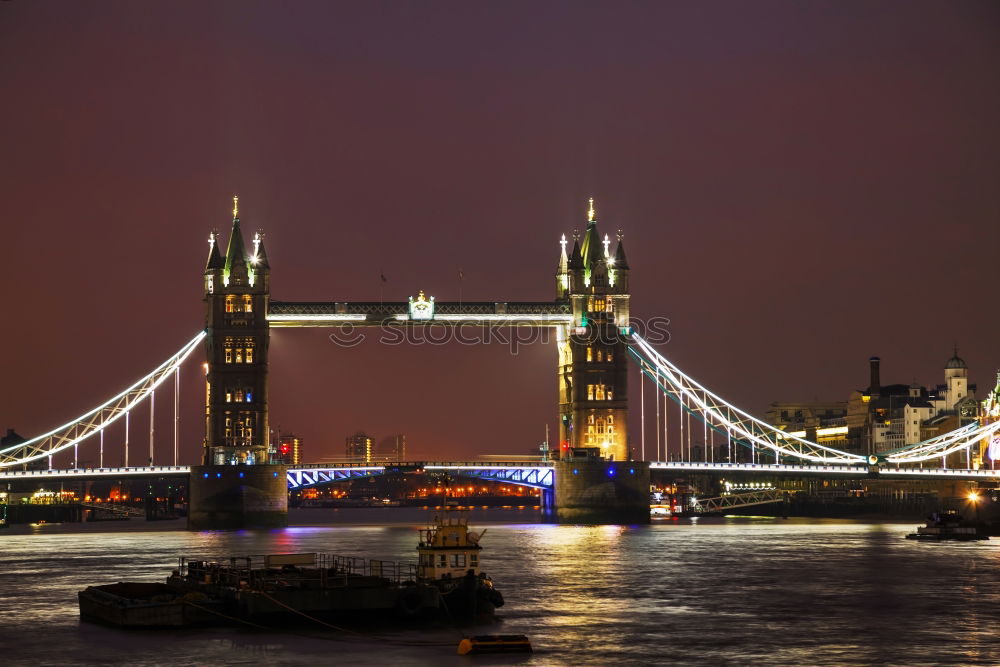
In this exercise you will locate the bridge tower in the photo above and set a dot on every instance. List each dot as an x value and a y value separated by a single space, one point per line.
593 370
236 487
237 290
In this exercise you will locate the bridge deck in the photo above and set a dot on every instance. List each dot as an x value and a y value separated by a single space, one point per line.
363 313
529 473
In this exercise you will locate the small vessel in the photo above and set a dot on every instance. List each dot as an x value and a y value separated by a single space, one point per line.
448 559
947 525
147 605
494 644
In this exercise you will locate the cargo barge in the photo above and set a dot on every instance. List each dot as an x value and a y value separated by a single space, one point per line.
446 582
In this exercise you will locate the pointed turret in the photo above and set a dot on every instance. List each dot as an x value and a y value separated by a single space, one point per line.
590 249
620 264
576 258
214 256
236 255
620 261
259 259
562 270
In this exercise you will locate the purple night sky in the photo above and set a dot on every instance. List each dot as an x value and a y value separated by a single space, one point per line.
801 186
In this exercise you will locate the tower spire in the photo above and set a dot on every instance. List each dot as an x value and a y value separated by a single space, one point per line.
590 211
620 262
236 256
214 257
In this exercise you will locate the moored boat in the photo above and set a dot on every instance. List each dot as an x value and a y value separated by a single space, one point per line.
449 558
272 589
948 525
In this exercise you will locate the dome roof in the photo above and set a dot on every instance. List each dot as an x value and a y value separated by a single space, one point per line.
955 362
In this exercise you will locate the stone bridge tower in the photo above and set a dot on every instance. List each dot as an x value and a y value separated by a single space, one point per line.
237 291
593 388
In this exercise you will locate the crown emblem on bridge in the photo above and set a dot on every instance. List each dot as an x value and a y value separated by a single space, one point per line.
421 308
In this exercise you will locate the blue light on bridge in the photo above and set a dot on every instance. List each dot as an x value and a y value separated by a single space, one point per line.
631 471
611 472
575 471
218 474
241 475
205 475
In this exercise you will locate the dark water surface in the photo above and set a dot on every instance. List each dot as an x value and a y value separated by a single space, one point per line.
727 592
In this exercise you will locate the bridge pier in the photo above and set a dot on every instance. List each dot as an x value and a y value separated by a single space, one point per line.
237 497
596 491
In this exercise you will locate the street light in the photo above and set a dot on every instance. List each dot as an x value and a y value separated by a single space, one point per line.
974 499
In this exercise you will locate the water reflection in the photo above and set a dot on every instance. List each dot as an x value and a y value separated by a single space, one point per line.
727 591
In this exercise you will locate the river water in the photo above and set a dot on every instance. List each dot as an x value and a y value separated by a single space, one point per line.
715 592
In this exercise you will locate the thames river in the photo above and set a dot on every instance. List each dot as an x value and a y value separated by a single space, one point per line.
719 592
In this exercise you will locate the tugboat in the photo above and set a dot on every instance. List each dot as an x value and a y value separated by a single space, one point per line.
448 559
947 525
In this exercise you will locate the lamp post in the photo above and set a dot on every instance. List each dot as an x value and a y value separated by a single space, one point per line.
974 499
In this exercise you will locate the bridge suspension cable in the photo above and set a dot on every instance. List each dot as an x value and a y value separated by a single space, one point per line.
96 420
723 417
942 445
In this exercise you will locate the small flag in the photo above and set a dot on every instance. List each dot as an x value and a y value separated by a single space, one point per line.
382 276
461 274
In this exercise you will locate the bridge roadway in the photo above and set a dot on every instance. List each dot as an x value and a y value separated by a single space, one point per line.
535 474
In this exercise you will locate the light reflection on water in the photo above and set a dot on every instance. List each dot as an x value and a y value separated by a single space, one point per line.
766 591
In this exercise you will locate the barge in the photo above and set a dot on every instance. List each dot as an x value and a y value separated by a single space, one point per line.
446 582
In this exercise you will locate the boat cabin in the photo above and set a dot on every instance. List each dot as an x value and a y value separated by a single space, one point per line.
448 549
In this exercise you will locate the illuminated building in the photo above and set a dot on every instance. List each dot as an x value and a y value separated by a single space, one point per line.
289 449
593 364
237 290
820 422
393 448
883 417
359 448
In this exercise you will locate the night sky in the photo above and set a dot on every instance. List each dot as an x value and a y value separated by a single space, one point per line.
801 185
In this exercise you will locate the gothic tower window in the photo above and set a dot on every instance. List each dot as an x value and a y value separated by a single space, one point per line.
229 355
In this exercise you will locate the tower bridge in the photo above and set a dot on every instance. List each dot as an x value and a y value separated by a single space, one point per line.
538 475
236 485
